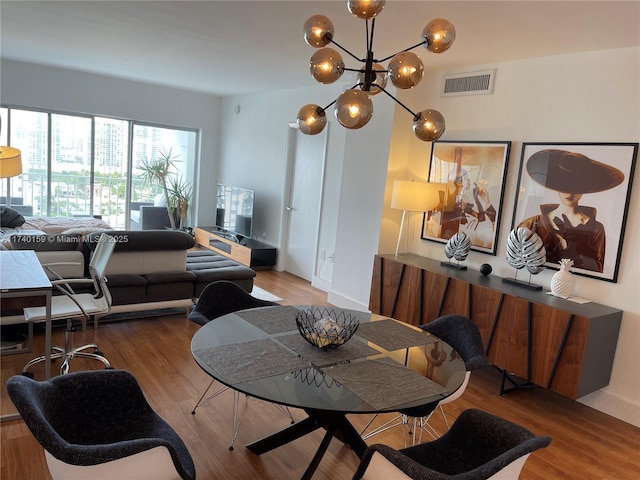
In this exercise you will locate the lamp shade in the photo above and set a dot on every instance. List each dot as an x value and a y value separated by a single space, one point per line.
10 162
415 196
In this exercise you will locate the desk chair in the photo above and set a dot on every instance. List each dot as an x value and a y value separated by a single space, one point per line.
479 446
462 334
98 424
217 299
70 305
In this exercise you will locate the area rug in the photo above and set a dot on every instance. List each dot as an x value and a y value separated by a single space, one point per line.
264 295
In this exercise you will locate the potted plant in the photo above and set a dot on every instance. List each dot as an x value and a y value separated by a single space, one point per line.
177 192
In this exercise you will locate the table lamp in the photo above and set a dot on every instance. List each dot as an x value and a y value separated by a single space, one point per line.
10 166
414 196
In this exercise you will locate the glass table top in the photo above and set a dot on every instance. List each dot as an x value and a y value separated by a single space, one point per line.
386 366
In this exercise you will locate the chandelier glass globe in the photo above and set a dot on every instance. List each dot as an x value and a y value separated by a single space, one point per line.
318 31
365 9
311 119
406 70
378 76
428 125
326 65
439 35
353 109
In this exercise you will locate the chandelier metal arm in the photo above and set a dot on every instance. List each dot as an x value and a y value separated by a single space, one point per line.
325 108
370 38
397 101
405 50
346 51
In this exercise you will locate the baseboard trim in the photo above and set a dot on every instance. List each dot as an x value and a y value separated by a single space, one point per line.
614 405
345 302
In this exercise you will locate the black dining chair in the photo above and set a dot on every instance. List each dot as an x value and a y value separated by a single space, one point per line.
463 335
478 446
98 424
217 299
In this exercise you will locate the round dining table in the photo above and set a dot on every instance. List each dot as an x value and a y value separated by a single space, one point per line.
386 366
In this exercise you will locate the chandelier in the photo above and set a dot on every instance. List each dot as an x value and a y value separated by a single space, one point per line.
353 108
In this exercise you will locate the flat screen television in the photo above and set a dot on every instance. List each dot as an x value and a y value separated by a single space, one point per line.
234 211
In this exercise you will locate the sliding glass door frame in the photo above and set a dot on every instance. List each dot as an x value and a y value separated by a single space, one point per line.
189 144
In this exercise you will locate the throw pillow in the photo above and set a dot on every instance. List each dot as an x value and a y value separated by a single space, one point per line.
10 218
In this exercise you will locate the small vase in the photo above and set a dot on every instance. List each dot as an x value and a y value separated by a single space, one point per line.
562 282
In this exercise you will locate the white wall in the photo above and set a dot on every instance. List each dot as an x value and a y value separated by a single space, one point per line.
47 88
591 97
253 154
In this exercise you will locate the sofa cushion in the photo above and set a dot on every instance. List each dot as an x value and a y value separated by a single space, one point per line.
169 291
10 217
126 280
147 262
169 277
70 263
140 241
129 289
209 267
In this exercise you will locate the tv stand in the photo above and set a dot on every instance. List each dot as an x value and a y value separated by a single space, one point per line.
229 236
246 251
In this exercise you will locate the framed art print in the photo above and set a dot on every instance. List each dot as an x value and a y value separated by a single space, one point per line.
475 173
575 196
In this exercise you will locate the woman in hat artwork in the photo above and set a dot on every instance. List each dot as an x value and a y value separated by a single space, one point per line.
568 229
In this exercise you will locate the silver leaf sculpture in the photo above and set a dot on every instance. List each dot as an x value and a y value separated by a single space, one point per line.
526 250
458 247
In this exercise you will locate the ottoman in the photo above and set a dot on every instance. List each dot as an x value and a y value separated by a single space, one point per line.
209 267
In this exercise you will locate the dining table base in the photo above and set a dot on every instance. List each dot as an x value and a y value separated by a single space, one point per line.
335 424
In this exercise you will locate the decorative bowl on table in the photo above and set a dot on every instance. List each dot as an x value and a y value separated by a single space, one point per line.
326 328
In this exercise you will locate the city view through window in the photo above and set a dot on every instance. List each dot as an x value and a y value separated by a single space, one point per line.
75 165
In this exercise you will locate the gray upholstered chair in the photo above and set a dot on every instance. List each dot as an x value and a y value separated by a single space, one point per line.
462 334
222 297
478 446
98 424
218 299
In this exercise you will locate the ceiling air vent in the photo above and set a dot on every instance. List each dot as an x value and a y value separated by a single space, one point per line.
469 83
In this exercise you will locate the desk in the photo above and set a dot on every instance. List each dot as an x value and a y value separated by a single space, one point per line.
260 353
21 275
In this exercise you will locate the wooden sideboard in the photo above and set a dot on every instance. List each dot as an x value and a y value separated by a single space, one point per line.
548 341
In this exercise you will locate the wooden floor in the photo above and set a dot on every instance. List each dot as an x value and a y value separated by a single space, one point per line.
586 444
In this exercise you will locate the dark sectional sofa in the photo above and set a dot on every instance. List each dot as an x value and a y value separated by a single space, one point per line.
149 269
155 269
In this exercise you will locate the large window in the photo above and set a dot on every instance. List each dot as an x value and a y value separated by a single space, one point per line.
82 165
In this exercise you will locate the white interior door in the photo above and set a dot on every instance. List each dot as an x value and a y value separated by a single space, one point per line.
303 201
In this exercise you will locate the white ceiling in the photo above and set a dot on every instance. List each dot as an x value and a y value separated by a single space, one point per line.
239 47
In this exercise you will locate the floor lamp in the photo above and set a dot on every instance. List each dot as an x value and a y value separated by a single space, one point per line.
10 166
414 196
